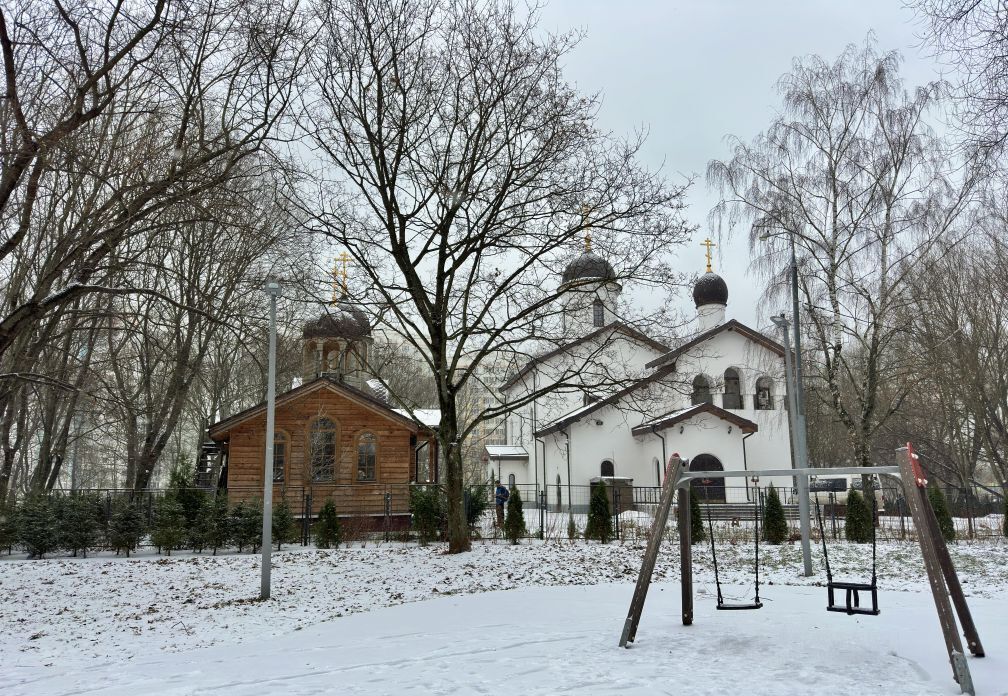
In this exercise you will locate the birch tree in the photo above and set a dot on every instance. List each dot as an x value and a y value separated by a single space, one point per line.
853 174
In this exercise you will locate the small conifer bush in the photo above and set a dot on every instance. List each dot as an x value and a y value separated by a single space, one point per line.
8 527
941 511
218 527
1004 522
859 522
327 529
698 531
126 528
247 521
283 526
79 523
168 530
571 528
599 515
37 529
775 529
425 504
514 522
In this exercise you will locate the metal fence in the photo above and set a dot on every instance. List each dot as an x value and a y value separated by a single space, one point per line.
383 512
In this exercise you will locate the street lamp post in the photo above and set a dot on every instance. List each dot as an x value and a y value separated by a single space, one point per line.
273 291
801 480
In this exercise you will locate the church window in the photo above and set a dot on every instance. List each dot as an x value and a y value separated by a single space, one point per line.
732 389
322 449
764 394
367 452
511 481
281 445
607 468
702 391
598 313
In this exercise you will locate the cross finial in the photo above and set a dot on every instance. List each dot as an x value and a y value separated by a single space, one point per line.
339 275
585 210
708 243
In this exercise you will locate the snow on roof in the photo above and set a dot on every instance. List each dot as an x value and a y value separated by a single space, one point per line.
430 417
507 451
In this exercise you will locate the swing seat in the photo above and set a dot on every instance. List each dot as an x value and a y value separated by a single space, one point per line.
852 603
739 606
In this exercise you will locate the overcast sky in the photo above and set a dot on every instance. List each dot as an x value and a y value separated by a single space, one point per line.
694 71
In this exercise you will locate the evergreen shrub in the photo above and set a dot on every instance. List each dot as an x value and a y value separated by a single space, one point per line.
858 523
284 529
941 511
126 528
428 512
37 529
8 527
698 530
599 515
514 522
775 529
571 528
246 525
218 524
79 523
168 531
477 502
327 530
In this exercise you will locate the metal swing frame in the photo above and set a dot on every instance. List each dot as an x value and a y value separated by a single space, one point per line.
946 590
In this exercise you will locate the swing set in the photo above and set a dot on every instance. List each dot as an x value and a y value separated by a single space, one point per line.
942 577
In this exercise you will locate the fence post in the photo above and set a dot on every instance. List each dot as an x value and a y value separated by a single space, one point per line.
388 513
616 504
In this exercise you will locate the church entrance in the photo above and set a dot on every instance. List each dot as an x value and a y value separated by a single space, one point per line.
709 490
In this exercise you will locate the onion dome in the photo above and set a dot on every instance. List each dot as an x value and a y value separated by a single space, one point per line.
339 320
710 288
588 265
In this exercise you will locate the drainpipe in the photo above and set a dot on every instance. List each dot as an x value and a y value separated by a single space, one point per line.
570 503
745 464
662 462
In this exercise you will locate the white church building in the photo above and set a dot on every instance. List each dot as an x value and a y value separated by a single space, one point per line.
716 399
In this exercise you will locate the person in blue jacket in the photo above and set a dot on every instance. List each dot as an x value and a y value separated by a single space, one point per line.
501 496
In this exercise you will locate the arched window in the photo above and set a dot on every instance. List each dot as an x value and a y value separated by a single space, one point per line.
607 468
511 481
598 313
281 445
322 449
764 393
367 454
732 389
701 391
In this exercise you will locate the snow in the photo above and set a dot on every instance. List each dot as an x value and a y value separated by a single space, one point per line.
429 417
538 618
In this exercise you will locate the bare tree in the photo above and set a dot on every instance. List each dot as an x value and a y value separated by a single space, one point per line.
852 174
963 334
972 35
462 172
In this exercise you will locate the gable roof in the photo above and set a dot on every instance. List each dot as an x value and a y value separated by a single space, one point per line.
730 325
670 419
612 326
580 413
220 428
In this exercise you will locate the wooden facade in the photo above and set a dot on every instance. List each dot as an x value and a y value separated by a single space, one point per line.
332 441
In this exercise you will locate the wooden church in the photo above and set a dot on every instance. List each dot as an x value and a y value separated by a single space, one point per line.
334 438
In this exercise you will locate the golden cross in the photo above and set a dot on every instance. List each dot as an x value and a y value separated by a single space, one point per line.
585 210
337 274
708 243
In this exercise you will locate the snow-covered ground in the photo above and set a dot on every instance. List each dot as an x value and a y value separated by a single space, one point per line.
500 619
